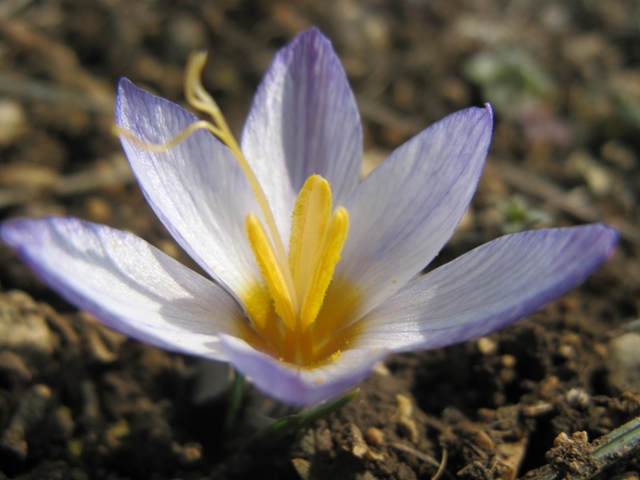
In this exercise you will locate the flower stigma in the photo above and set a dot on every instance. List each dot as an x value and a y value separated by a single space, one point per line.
286 308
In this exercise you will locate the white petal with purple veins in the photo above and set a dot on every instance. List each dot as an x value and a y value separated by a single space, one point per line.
128 284
487 288
405 210
196 188
304 120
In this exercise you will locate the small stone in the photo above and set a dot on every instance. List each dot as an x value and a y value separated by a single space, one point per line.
358 446
405 418
22 327
356 442
578 397
381 369
508 361
13 121
486 346
548 386
374 436
623 361
567 351
99 350
537 410
188 454
323 440
302 466
484 441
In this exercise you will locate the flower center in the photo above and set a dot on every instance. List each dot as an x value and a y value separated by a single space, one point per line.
317 238
315 244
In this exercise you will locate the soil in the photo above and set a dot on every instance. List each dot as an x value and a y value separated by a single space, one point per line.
78 401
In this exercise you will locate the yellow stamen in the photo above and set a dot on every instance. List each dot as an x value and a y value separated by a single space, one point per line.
311 215
326 262
315 244
271 270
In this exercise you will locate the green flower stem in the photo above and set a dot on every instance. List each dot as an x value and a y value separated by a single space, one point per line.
299 421
237 391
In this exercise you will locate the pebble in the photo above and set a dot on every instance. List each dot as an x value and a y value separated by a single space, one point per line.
405 418
538 409
358 446
188 454
623 361
577 397
508 361
22 327
484 441
13 121
374 436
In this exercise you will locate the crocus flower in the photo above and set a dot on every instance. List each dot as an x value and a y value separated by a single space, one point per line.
319 278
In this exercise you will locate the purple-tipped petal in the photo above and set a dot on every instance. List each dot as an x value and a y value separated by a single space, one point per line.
196 188
407 209
126 283
301 385
304 120
487 288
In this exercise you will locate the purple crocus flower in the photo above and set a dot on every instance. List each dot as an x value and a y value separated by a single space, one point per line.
305 317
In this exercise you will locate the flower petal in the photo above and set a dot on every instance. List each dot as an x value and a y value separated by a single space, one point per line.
196 188
304 120
406 209
487 288
301 385
126 283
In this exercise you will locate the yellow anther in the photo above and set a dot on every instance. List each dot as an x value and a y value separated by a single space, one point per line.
315 245
326 260
271 269
310 218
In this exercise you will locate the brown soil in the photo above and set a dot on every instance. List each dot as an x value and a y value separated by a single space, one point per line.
78 401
